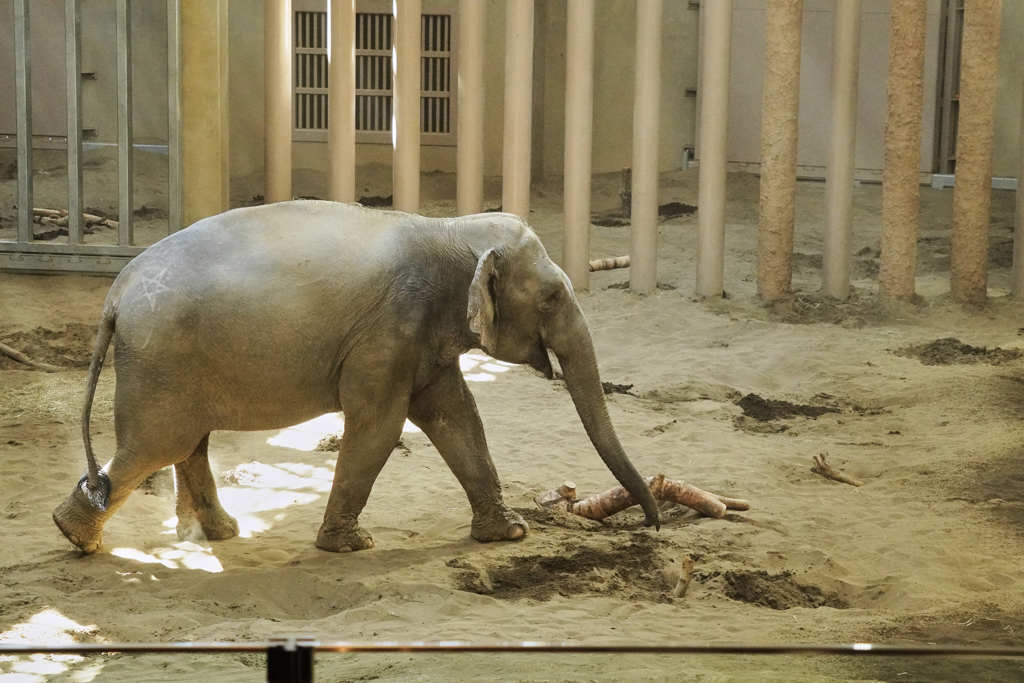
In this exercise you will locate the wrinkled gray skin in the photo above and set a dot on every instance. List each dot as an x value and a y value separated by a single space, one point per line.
263 317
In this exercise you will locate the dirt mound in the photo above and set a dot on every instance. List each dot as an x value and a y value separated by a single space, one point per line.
631 570
951 351
778 591
766 409
805 309
69 346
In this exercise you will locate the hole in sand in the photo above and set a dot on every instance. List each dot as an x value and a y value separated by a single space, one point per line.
631 570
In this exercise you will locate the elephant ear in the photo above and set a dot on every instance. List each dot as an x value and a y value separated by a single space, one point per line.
482 311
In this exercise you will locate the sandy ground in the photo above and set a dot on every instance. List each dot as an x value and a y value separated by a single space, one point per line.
929 550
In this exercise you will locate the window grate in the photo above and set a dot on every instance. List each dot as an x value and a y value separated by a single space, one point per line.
436 64
310 70
373 72
374 78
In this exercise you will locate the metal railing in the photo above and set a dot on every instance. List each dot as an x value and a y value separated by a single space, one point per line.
26 254
290 660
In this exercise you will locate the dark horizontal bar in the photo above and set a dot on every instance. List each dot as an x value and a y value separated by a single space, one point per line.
70 249
858 649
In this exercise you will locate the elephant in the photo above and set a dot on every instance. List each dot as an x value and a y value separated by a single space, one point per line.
262 317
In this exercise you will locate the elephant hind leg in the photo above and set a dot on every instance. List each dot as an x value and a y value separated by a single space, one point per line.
139 454
200 515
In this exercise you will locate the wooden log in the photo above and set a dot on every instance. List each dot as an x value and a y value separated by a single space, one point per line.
607 503
565 492
52 213
20 357
609 263
60 217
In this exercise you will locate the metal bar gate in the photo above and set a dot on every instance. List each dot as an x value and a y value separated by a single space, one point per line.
25 253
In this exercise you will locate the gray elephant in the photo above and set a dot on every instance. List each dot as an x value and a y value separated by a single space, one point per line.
262 317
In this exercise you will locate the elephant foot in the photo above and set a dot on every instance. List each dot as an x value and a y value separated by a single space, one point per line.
80 521
343 538
498 524
216 525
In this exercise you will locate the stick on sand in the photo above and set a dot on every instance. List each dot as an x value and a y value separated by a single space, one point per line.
822 467
22 358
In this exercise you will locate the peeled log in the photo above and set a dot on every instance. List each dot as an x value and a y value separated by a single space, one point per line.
601 505
609 263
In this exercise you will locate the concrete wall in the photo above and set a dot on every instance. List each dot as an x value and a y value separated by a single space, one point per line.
1009 116
614 55
745 94
613 106
99 57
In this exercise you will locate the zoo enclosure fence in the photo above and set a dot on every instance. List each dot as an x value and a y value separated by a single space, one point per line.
24 253
290 660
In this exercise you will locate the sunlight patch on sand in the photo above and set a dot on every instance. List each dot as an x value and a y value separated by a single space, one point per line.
479 367
48 627
255 487
305 436
181 555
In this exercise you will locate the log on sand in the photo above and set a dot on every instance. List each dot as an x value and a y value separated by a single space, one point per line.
607 503
17 355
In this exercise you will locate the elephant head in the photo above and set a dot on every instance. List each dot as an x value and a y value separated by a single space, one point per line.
521 305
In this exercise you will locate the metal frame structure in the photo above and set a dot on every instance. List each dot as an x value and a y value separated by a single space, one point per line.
73 255
290 660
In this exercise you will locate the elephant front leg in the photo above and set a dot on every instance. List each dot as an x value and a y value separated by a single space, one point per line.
372 427
200 515
447 414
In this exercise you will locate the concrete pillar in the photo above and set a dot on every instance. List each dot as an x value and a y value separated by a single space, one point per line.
515 184
780 106
842 147
1018 230
406 121
901 175
341 98
204 107
579 119
714 113
972 193
469 160
277 74
643 273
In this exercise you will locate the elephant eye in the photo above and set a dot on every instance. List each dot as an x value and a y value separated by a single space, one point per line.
551 301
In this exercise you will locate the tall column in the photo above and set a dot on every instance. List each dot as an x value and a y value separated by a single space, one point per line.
515 183
972 195
714 113
842 148
406 122
204 105
1018 230
579 119
901 192
23 105
779 113
469 160
277 74
341 98
643 275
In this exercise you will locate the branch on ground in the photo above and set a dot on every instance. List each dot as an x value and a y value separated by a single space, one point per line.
17 355
822 467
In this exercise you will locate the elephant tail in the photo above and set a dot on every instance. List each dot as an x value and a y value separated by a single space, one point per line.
97 484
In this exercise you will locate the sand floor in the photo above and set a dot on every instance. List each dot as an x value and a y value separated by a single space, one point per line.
929 550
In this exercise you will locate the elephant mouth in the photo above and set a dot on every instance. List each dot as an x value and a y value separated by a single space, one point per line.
540 361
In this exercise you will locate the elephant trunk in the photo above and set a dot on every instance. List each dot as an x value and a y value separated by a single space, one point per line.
574 349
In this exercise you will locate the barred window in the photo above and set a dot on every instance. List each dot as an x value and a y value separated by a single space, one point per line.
374 80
